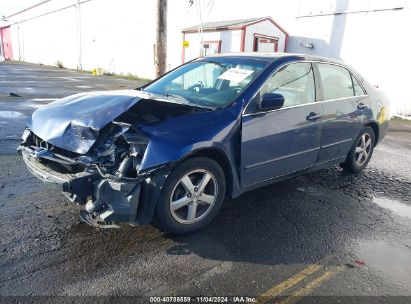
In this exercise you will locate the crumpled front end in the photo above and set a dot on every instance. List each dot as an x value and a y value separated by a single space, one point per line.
105 181
111 153
90 147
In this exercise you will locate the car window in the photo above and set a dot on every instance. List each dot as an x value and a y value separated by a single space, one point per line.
202 76
209 82
206 76
358 90
295 82
336 80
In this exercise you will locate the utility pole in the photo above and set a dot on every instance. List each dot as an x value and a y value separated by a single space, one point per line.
161 38
79 40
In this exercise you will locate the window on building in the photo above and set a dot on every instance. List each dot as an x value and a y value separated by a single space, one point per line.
211 47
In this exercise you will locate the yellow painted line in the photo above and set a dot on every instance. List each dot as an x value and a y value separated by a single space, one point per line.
287 284
312 285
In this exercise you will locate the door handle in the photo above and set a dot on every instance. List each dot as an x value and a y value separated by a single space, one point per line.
313 116
361 106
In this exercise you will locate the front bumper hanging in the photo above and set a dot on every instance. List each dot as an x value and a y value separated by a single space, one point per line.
107 201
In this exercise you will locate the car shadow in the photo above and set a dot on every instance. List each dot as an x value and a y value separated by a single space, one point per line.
277 224
295 221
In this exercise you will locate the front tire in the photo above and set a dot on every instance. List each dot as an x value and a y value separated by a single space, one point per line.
191 196
361 151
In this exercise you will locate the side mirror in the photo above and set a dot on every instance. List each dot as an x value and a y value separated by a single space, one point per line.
271 101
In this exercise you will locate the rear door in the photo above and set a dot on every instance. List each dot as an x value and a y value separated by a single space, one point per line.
285 140
346 108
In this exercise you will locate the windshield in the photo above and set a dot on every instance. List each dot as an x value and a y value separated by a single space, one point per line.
210 83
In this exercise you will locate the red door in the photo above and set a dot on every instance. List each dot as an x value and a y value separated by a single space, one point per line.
6 42
265 44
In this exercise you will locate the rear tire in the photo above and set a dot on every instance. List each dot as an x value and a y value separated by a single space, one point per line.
361 151
191 196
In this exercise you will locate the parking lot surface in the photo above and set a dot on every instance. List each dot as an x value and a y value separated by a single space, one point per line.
327 233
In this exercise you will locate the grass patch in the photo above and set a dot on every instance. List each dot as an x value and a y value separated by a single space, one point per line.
128 76
60 65
401 120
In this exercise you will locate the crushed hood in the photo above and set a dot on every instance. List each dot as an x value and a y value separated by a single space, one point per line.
73 123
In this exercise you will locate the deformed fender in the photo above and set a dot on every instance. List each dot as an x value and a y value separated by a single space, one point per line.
172 141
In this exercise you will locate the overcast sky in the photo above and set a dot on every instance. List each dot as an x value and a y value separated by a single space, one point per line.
8 7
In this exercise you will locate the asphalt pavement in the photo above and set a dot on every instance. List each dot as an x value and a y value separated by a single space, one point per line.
326 236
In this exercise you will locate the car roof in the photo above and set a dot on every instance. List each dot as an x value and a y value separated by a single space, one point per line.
275 56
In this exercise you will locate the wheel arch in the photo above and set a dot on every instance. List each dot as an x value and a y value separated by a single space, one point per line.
221 158
375 127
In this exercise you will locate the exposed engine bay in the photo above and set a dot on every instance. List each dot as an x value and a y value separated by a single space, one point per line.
107 179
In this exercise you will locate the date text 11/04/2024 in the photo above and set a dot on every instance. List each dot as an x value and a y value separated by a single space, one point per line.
203 299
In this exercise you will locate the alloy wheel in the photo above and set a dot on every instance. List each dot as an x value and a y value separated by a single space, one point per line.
363 149
194 196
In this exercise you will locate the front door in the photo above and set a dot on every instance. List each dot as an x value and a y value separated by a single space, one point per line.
6 42
285 140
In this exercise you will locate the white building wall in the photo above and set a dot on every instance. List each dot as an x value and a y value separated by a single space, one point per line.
193 50
373 42
230 42
119 35
263 28
116 36
33 41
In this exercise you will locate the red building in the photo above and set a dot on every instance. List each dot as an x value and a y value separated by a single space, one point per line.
5 43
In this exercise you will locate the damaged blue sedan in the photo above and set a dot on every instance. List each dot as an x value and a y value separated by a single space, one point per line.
216 127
